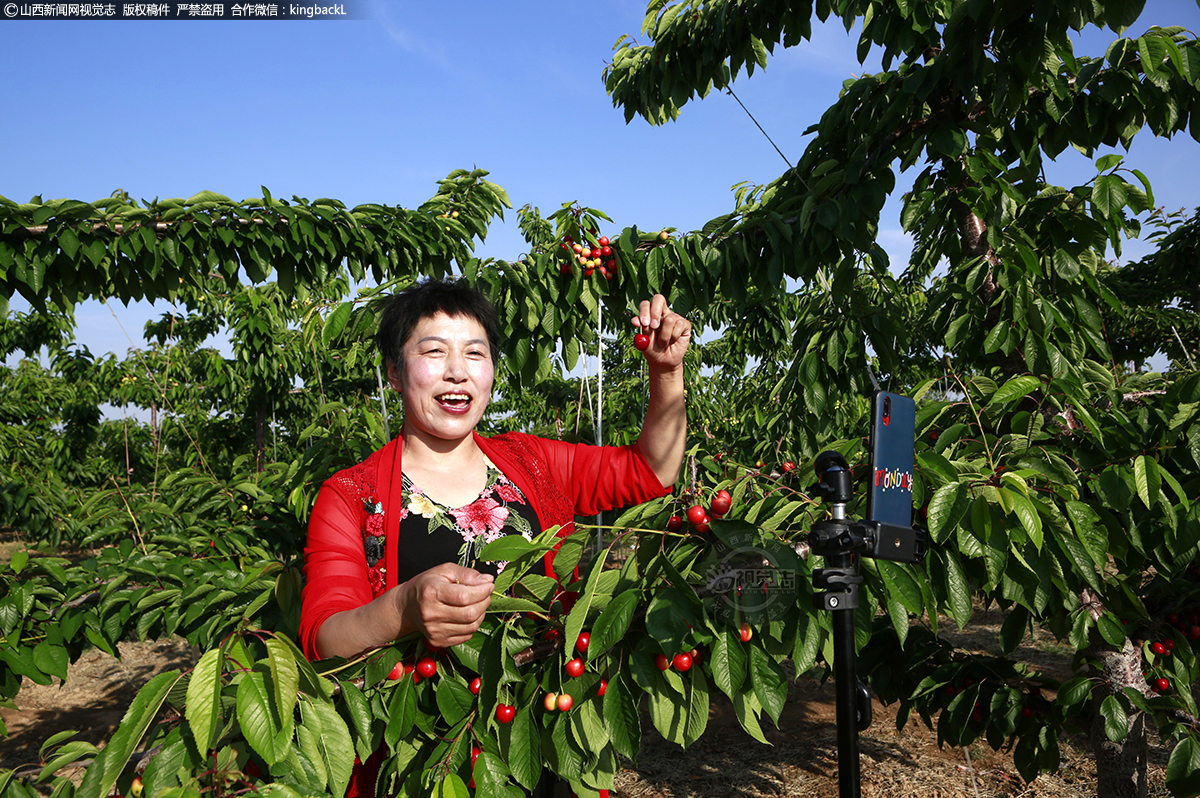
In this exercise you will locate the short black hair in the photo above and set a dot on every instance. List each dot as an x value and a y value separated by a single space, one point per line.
402 311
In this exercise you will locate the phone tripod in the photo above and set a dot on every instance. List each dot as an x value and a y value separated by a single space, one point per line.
841 542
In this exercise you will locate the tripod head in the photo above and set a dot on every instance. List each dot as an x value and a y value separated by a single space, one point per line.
866 538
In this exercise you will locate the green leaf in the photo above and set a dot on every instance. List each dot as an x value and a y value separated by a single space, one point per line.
668 713
1111 629
256 719
1014 628
622 717
1028 515
106 769
1074 691
402 712
285 679
203 706
360 718
745 707
901 584
699 706
524 752
1147 479
668 618
336 322
729 662
769 680
948 504
958 591
1015 388
454 700
1183 768
1108 196
449 787
1116 722
577 617
333 740
613 622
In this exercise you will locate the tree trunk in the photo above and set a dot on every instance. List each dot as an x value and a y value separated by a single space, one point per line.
1120 766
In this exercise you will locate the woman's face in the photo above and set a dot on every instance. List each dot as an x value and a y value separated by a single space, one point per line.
447 378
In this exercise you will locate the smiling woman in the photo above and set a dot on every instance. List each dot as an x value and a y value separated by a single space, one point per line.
393 543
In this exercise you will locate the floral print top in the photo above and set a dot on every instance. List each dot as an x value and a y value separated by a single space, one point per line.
432 534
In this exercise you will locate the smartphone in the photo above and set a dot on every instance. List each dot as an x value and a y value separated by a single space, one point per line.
893 432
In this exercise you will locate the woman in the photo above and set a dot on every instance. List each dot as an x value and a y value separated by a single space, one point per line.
392 541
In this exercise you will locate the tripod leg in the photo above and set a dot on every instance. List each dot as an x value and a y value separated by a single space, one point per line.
846 684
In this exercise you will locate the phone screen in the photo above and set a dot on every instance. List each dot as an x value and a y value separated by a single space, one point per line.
893 432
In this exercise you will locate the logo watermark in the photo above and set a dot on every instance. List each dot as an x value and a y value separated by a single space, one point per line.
751 580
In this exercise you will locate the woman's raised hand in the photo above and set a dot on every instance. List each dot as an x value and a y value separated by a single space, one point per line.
669 333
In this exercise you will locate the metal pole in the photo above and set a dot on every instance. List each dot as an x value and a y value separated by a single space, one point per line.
383 403
599 408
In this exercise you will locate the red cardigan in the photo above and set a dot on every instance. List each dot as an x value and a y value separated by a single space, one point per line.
560 480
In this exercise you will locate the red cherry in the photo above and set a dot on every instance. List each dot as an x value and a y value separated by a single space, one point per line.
1173 618
603 687
505 713
1161 685
788 466
581 642
951 690
674 524
1193 632
1026 712
603 242
682 662
703 527
397 671
550 702
565 702
977 714
476 683
661 662
1158 648
695 656
575 668
605 250
696 514
641 342
587 272
747 632
721 503
475 752
426 667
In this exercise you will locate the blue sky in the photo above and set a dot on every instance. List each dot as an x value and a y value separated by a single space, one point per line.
378 110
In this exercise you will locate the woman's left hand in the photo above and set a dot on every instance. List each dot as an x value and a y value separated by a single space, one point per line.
669 333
